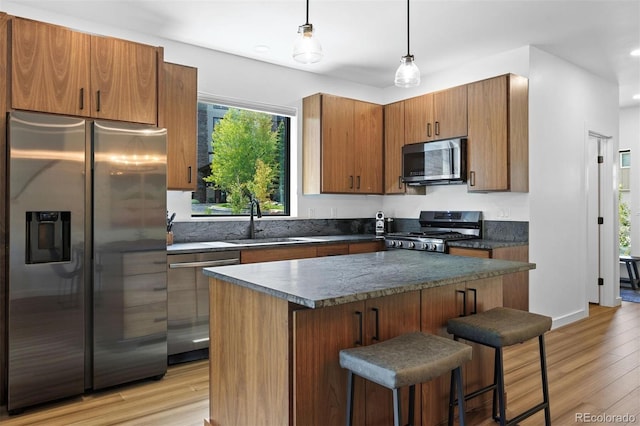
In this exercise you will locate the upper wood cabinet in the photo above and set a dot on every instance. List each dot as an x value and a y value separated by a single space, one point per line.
57 70
342 145
50 69
498 141
435 116
179 116
124 80
393 143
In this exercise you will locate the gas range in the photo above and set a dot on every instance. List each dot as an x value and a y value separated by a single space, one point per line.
437 229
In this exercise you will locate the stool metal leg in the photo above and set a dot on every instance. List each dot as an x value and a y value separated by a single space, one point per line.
412 397
545 383
458 373
349 397
496 367
452 398
397 417
500 371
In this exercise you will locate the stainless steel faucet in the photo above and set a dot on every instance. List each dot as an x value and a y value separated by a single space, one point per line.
253 202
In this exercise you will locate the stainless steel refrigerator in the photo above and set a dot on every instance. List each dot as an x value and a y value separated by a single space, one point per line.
87 260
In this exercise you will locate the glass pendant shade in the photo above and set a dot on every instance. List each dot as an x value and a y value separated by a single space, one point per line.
306 49
408 74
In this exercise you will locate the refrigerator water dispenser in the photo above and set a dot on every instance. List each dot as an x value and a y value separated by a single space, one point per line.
48 237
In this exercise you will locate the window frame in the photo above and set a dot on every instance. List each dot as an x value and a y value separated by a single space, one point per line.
289 114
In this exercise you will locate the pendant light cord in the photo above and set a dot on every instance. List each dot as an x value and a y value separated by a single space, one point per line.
408 50
307 23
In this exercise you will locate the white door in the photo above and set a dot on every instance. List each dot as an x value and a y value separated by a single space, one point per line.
594 150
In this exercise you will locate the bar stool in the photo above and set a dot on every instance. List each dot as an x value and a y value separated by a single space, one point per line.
631 263
497 328
406 360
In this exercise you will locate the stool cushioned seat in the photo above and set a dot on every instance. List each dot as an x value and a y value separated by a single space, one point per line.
406 360
499 327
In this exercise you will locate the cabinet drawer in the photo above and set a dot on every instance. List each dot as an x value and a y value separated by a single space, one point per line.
142 321
332 250
144 262
461 251
145 289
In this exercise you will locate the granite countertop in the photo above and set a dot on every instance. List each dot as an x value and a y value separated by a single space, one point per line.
328 281
247 244
485 244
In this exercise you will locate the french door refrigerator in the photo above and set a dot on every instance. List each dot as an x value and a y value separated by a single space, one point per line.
87 255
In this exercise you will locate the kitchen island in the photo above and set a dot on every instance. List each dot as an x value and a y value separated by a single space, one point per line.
276 329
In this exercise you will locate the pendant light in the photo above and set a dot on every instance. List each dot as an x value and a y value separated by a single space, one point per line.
306 48
408 74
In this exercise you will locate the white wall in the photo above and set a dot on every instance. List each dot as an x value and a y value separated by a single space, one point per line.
565 101
630 139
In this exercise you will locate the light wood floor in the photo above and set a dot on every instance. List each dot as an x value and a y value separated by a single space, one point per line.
593 365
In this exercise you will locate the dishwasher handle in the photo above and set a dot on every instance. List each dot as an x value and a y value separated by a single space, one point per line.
205 264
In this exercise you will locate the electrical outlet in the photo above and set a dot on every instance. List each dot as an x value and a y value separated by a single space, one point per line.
334 212
311 213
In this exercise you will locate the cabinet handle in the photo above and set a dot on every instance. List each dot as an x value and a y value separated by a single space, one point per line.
437 127
359 341
98 100
464 302
472 178
351 182
358 184
475 300
428 129
399 182
376 336
82 98
189 175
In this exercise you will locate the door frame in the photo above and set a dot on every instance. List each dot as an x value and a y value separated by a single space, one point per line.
609 292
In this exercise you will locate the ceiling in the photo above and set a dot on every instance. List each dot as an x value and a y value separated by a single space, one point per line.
363 40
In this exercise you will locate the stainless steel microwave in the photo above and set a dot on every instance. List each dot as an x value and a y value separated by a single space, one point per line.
433 163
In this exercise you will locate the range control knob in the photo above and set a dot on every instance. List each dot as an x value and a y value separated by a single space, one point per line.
391 243
412 244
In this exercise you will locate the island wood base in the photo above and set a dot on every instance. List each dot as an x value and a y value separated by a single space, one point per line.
273 362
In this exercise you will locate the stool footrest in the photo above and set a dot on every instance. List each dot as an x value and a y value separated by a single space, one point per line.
531 411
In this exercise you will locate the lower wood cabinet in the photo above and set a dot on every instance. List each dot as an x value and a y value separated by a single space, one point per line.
290 252
279 362
438 305
320 334
516 286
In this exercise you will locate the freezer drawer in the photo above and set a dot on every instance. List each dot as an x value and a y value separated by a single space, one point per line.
188 298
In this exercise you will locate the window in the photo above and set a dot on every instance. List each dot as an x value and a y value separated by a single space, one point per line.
625 168
242 153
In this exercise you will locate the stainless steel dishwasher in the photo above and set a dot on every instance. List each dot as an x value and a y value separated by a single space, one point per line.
188 302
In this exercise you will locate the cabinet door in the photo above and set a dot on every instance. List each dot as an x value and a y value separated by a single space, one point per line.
337 144
319 336
450 113
50 68
487 140
418 119
483 295
385 318
124 80
179 117
393 143
368 148
438 305
515 292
